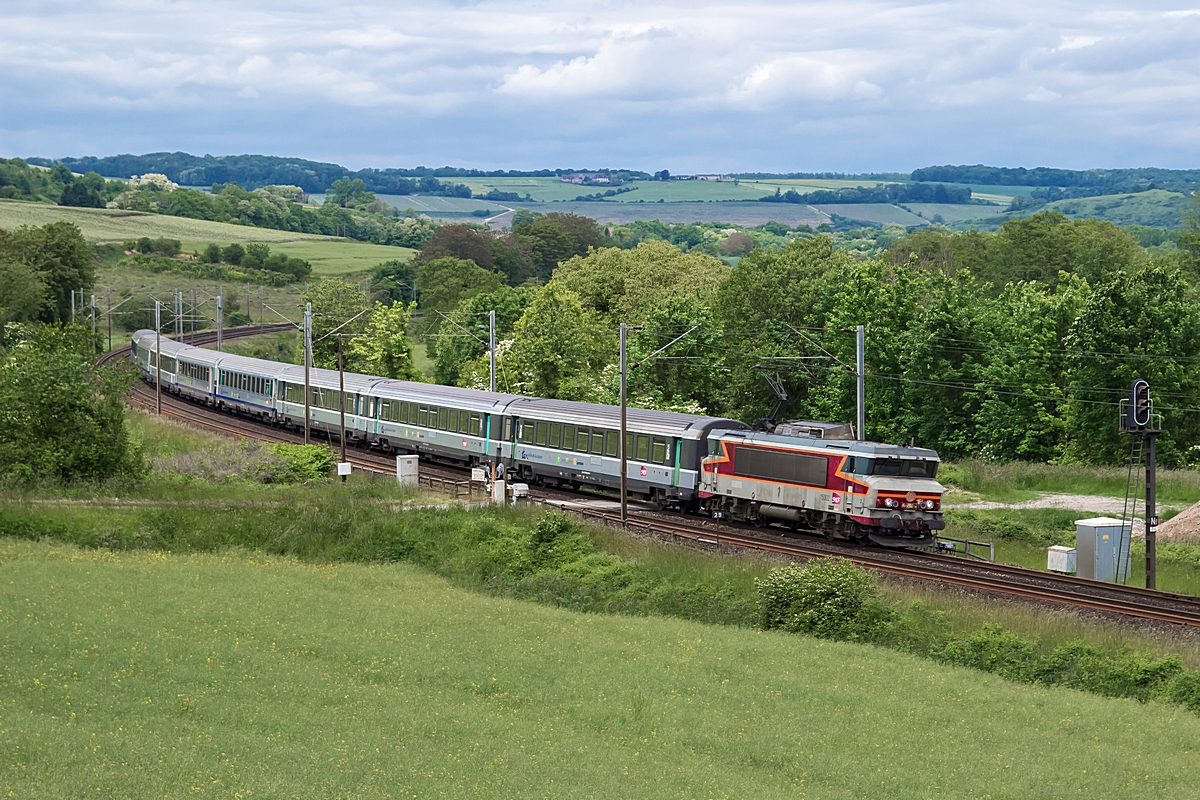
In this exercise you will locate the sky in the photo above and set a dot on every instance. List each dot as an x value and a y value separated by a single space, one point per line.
695 86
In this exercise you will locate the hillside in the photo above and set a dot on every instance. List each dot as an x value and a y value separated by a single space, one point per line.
1155 208
244 675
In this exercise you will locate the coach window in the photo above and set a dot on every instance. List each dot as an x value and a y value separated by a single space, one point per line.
526 433
598 442
643 448
475 425
582 439
568 437
658 451
611 440
555 435
452 415
540 431
422 416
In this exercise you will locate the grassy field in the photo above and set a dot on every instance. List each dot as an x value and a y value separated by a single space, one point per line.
329 256
336 258
145 674
1019 480
104 225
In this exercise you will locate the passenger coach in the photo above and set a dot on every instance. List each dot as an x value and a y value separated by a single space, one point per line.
801 475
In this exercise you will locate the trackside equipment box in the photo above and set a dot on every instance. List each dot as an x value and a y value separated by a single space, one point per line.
406 470
1102 545
1061 559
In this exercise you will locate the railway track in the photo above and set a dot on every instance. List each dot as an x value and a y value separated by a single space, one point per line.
1000 579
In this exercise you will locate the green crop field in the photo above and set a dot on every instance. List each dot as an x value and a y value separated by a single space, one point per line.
140 674
883 213
949 212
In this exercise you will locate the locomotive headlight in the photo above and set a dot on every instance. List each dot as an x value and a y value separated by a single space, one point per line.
930 505
888 502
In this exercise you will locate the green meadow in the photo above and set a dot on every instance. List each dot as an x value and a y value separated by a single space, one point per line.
140 674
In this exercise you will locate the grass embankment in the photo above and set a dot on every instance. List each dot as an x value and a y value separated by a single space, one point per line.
1019 480
146 674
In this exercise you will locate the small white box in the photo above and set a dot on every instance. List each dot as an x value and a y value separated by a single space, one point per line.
1060 558
406 470
478 475
343 468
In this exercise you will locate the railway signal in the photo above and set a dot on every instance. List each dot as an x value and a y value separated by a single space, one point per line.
1139 420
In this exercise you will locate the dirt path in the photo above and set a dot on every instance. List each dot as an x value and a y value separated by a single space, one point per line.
1092 504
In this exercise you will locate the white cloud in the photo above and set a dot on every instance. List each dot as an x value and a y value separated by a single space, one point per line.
1042 95
711 85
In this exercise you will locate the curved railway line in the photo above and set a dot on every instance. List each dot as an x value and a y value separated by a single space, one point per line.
1000 579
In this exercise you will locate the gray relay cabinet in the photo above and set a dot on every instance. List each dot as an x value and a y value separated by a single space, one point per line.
1102 543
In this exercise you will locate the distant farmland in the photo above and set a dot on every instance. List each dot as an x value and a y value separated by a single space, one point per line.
748 214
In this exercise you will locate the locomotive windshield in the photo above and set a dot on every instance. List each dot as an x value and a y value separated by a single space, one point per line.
900 467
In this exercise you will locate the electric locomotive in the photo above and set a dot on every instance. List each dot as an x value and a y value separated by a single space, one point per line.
812 475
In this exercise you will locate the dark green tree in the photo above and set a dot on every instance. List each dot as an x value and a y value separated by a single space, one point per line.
62 417
1146 325
61 258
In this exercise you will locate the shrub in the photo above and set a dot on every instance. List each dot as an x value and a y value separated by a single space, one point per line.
829 597
303 463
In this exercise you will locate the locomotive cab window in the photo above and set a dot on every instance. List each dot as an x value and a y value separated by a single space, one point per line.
716 447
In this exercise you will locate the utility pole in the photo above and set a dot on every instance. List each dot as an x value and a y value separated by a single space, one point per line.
192 338
260 305
861 373
108 318
342 403
307 366
220 317
158 357
1151 514
492 346
72 306
621 439
93 308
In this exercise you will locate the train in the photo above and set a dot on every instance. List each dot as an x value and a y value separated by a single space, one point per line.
799 475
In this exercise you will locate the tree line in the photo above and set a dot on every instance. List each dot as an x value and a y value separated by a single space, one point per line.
1016 344
256 171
